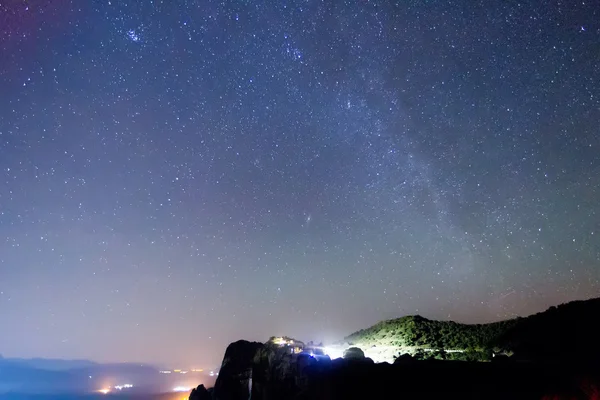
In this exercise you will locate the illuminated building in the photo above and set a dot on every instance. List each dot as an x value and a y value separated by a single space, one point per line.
295 346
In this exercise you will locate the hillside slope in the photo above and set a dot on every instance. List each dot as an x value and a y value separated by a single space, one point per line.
566 331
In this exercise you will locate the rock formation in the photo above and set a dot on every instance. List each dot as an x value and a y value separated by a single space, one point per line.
276 372
354 353
235 376
201 393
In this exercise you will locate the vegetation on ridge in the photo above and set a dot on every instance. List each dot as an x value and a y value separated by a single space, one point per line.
416 331
547 334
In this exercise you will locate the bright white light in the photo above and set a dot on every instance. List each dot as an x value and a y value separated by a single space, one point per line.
334 352
181 389
104 391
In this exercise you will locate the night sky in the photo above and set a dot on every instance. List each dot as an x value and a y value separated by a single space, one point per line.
176 175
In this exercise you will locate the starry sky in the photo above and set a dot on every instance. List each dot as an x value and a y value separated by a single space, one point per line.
177 175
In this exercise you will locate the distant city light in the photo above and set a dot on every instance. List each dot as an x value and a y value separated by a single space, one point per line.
125 386
165 372
181 389
107 390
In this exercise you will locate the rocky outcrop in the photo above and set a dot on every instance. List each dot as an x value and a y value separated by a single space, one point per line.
273 372
201 393
235 376
283 374
354 353
266 371
276 372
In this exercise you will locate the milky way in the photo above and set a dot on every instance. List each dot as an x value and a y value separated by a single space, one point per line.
177 175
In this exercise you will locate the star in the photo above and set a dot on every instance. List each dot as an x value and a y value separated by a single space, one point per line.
133 35
217 173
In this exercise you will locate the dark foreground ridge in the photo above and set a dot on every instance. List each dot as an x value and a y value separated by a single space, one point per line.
554 355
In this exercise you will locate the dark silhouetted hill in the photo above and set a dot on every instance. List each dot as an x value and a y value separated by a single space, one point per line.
563 332
566 332
553 344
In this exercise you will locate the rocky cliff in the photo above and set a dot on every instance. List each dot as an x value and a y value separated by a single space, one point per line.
235 376
260 371
265 371
560 361
272 371
277 375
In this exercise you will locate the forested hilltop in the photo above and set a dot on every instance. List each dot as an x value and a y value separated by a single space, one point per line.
416 331
558 332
